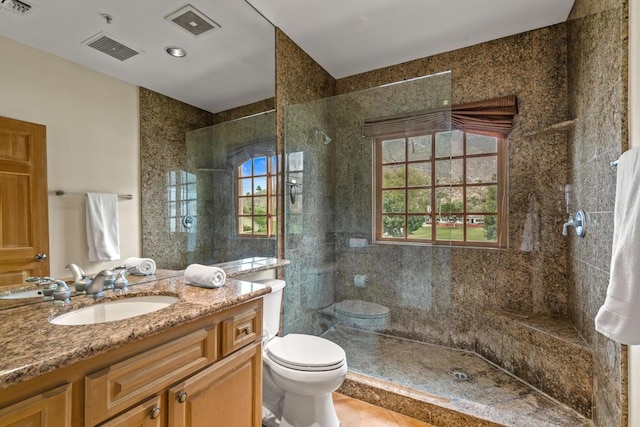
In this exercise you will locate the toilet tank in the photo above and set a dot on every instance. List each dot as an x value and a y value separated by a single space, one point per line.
272 303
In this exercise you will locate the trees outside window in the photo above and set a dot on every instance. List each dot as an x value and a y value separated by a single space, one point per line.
441 187
256 196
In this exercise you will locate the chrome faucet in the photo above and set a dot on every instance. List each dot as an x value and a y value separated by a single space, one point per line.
55 288
120 283
578 222
96 286
80 279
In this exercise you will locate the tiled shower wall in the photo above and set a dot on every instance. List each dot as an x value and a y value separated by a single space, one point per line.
597 63
163 124
526 278
300 79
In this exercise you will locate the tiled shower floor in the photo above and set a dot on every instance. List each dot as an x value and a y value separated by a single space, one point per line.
488 392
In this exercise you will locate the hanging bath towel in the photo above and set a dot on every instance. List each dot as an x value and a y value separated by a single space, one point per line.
619 317
103 235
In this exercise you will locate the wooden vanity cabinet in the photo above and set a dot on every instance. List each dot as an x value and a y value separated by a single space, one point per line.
184 376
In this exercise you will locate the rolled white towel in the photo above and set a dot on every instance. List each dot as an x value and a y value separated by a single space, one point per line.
204 276
140 266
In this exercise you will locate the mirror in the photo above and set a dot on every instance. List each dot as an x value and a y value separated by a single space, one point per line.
238 72
233 176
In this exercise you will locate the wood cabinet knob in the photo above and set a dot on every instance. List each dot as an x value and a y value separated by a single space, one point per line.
182 397
155 413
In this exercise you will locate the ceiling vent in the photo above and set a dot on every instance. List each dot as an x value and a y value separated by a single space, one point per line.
107 44
192 20
18 7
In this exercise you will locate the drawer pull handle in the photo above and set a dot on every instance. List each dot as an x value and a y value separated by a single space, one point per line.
246 330
182 397
155 413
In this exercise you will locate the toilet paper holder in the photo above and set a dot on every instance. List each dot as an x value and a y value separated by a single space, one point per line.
360 280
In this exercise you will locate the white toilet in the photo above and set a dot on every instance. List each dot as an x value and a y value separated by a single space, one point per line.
299 372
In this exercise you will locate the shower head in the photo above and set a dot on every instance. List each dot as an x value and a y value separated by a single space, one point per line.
325 137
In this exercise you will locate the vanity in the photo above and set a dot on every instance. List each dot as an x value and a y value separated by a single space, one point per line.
195 362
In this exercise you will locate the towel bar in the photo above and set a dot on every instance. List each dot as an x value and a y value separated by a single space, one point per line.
72 193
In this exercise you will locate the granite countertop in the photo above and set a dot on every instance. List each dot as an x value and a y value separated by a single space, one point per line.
31 346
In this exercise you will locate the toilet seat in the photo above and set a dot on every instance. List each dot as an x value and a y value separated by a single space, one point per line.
306 353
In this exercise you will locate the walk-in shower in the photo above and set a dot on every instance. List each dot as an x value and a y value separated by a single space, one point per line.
414 324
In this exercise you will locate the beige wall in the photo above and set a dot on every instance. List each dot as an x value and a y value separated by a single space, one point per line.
92 143
634 142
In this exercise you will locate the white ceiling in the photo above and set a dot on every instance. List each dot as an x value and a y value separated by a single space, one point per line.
225 68
235 65
348 37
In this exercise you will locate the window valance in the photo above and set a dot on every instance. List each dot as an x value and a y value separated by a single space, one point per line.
493 116
259 149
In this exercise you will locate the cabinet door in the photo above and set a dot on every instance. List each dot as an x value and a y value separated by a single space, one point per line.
116 388
147 414
49 409
226 394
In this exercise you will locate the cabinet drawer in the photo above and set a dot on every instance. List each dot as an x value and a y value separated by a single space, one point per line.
124 384
147 414
241 330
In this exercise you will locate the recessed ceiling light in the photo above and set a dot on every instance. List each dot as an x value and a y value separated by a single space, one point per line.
177 52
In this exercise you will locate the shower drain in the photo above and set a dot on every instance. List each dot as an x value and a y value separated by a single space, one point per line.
460 375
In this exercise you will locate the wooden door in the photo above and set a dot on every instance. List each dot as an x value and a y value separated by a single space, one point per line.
228 393
24 218
49 409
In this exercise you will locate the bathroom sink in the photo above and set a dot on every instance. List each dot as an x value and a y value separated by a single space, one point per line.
31 293
115 310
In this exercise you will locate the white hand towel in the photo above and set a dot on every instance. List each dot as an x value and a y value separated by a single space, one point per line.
103 235
140 266
204 276
619 317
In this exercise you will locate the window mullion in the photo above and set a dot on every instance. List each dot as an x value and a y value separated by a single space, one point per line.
406 188
434 224
464 186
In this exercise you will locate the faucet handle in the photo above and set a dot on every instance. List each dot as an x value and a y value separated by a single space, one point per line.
40 280
62 293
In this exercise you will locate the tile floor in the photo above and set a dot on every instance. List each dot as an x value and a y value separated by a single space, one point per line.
480 388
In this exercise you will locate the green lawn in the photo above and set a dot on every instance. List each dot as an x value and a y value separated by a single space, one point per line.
474 234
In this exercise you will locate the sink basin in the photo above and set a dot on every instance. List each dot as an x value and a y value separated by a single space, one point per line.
115 310
31 293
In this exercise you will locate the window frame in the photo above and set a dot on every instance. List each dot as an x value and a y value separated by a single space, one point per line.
271 194
501 191
181 182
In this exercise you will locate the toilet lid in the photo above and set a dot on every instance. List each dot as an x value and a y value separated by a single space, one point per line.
361 309
306 353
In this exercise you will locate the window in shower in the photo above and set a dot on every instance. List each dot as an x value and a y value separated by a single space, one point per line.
182 201
440 187
256 184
